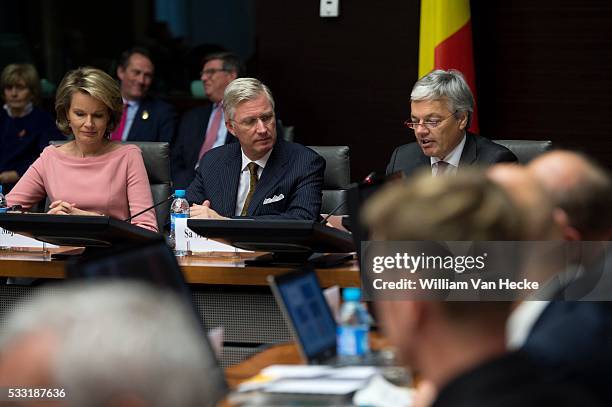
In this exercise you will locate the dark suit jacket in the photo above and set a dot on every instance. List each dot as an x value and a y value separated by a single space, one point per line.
478 150
159 124
575 339
294 171
187 143
512 380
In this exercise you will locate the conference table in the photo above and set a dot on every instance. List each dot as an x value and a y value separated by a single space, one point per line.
225 291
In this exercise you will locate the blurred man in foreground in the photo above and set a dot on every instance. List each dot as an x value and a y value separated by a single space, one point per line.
119 344
459 347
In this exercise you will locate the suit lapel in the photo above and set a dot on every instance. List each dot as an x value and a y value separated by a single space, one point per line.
470 152
137 122
229 179
275 168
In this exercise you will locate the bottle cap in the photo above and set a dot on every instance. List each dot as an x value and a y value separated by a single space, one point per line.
179 193
351 294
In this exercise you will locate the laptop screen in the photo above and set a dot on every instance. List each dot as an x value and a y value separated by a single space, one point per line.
309 313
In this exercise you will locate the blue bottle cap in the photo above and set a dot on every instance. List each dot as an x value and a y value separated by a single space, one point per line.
351 294
179 193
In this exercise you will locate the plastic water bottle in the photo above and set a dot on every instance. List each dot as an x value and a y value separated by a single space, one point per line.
178 209
352 333
2 201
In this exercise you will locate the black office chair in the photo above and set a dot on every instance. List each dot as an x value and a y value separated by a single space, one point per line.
337 177
156 157
526 150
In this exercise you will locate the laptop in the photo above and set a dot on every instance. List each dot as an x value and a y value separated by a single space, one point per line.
299 296
153 262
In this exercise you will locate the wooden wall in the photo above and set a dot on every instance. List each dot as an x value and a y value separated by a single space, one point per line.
543 72
341 81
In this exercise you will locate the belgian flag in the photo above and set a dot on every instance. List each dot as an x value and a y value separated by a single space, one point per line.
446 41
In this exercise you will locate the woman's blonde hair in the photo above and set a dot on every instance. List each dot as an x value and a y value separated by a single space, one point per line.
95 83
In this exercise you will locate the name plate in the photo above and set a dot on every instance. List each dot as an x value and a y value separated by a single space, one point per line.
187 239
11 239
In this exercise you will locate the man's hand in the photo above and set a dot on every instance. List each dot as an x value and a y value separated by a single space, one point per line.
60 207
204 211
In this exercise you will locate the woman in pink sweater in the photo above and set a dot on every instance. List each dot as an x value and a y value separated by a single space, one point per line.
90 175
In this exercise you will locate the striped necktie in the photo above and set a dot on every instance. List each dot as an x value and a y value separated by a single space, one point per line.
252 184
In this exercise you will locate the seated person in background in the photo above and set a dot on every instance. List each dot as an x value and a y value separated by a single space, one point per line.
261 176
144 118
25 130
108 344
90 175
459 347
203 127
441 105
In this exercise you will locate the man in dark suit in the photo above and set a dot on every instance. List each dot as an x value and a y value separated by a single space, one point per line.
144 118
199 124
441 110
458 347
572 333
262 175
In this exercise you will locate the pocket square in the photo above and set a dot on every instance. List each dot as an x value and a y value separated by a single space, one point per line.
275 198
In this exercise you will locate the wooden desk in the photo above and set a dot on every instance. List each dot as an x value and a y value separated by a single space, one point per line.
215 269
225 292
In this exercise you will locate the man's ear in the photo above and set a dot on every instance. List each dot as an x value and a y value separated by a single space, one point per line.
569 232
233 75
229 125
120 72
463 121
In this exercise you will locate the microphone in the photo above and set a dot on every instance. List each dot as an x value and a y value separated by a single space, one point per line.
324 221
369 179
171 196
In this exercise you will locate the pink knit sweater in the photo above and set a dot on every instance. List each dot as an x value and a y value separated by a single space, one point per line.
113 184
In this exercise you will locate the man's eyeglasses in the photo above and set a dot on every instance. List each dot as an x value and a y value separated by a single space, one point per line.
432 124
211 71
251 122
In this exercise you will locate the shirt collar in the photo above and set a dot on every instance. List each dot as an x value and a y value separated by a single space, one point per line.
26 111
131 103
454 156
261 162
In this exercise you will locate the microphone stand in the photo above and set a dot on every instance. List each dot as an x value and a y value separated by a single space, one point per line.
149 208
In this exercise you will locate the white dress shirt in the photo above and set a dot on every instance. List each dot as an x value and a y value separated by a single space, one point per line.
452 159
245 179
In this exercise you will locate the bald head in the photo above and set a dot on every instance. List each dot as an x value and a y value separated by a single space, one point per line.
531 199
580 188
561 170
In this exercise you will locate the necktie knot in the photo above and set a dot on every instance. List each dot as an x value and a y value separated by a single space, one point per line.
443 167
252 166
